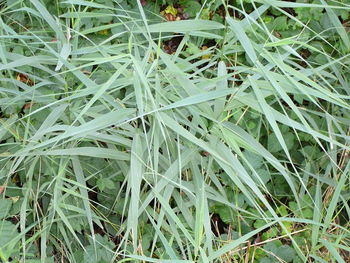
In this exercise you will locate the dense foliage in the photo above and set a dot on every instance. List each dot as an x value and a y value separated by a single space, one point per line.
174 131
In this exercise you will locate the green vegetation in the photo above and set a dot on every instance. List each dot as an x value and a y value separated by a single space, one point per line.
174 131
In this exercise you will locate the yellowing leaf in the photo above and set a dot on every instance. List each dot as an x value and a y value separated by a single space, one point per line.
171 10
206 56
103 32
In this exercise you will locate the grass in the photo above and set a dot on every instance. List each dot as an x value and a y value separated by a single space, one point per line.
113 150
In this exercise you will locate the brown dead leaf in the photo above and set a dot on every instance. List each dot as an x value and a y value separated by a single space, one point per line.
27 106
170 17
25 79
2 188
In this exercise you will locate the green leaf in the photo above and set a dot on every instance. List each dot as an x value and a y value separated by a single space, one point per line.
280 23
8 232
191 7
259 223
224 213
5 206
286 253
308 213
275 146
255 160
282 210
271 233
193 49
103 183
184 26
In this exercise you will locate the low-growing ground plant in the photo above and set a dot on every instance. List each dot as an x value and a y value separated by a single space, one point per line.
174 131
